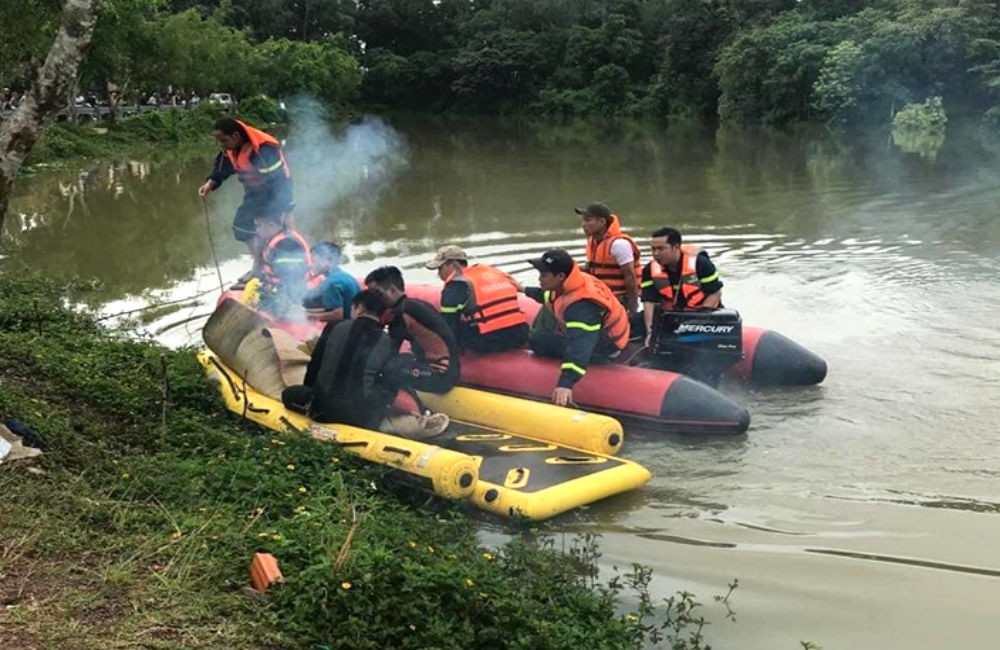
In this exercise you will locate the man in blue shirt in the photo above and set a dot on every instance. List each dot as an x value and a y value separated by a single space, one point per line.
331 300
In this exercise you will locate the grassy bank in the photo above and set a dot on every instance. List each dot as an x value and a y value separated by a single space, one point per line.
136 527
166 132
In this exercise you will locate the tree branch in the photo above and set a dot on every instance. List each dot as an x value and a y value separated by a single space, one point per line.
47 94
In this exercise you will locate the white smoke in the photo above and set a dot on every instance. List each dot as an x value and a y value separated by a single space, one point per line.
339 171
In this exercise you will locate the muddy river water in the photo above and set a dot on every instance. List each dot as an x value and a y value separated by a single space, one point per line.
860 513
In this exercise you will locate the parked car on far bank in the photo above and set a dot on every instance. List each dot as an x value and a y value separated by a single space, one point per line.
221 99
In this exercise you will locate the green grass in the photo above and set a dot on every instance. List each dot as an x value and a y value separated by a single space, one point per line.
136 527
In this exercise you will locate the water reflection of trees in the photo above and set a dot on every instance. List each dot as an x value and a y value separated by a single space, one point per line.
134 225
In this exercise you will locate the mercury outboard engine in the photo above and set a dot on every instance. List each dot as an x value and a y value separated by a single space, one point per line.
702 344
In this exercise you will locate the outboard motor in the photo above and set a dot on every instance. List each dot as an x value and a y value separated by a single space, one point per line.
701 343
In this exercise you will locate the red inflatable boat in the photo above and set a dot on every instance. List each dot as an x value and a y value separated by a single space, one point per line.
644 399
769 358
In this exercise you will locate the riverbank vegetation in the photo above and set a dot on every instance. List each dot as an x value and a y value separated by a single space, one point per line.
168 132
136 526
772 61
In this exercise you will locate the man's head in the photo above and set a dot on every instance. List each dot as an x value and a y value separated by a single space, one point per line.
595 218
368 302
553 268
229 134
387 281
448 260
326 257
666 245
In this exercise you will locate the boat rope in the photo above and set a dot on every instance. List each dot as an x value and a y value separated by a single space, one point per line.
211 245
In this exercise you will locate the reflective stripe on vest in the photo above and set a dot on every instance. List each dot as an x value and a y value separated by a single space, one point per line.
494 300
690 294
603 265
272 260
580 286
246 171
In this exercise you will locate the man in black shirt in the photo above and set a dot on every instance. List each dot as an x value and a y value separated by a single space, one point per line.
433 364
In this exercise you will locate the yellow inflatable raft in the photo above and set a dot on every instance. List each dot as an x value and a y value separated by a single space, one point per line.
508 456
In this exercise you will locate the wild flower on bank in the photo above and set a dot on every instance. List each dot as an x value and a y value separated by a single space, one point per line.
345 585
469 582
302 489
176 535
488 556
290 467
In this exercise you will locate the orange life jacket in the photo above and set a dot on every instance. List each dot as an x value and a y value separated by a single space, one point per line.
690 294
580 286
274 261
494 299
246 171
603 265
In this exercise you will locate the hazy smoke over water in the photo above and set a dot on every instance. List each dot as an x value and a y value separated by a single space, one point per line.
355 164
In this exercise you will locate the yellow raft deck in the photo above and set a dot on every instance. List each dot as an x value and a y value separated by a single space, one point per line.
508 456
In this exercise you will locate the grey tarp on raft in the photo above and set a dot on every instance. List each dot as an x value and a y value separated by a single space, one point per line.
269 360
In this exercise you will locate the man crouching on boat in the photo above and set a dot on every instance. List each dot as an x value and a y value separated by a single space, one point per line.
589 324
353 376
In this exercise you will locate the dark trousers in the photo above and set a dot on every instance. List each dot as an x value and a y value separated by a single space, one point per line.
509 338
418 374
553 344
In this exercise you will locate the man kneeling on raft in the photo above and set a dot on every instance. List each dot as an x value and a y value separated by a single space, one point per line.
581 322
353 376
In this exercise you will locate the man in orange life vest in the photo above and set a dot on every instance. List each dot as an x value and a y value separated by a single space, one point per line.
284 268
612 255
256 159
479 303
591 325
681 276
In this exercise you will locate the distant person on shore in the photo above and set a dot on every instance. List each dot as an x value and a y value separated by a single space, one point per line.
256 159
331 300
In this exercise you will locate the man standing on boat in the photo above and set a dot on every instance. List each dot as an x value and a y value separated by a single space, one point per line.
590 324
256 159
479 303
612 255
433 363
680 276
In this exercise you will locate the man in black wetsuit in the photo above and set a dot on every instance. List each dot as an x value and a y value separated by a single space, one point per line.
433 365
352 378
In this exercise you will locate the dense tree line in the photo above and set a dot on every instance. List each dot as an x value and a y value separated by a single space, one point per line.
771 61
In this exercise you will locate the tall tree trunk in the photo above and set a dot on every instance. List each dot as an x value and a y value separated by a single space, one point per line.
47 94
